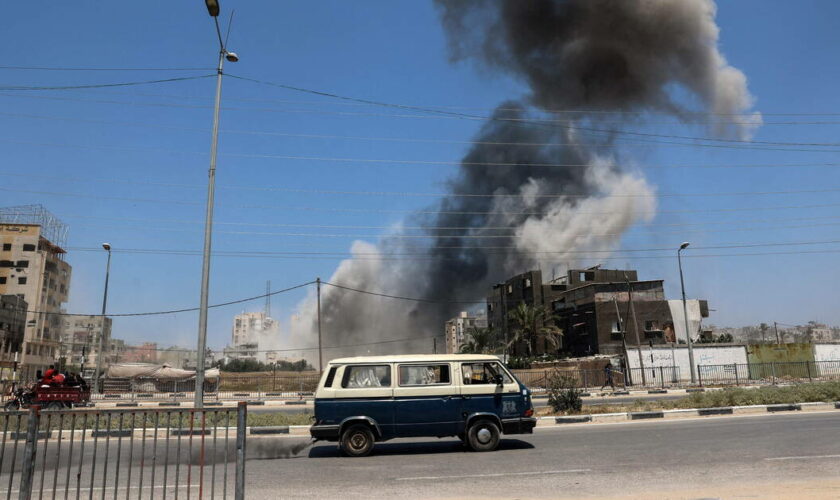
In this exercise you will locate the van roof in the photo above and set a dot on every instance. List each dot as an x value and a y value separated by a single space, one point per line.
408 358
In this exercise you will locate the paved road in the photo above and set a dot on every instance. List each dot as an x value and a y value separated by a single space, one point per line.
539 402
766 456
781 456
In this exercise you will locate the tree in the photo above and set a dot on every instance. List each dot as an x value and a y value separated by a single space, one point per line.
480 341
531 322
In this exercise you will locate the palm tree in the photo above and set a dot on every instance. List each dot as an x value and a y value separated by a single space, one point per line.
479 341
530 322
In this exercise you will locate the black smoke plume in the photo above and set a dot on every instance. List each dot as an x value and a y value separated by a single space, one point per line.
537 186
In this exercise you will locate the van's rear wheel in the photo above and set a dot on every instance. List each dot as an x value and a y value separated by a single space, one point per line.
357 441
483 435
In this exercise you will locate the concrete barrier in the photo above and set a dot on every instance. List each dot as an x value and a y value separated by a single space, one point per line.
274 429
775 408
705 412
640 415
573 419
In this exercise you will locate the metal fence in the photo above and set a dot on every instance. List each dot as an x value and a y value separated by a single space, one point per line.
155 453
225 388
768 373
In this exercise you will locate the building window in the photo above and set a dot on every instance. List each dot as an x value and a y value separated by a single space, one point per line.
7 247
510 288
2 280
6 263
651 325
28 247
22 263
22 281
527 282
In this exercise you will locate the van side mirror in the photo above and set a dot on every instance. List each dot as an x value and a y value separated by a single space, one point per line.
499 379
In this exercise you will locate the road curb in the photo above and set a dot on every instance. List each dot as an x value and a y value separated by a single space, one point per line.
688 412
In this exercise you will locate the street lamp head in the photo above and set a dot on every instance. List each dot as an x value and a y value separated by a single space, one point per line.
106 246
684 245
231 56
212 7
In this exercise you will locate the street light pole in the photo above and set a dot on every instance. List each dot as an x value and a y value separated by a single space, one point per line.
685 315
99 354
213 10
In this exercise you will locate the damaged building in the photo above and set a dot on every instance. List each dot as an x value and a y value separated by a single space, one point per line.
593 307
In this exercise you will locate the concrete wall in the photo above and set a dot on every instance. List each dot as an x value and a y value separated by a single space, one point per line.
780 353
826 352
678 356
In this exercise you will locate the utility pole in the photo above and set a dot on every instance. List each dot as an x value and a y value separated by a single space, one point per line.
213 10
775 329
268 299
99 352
635 328
434 345
691 366
320 352
621 329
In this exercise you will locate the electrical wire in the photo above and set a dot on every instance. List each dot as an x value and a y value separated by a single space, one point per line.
103 85
378 161
413 211
55 68
643 140
176 311
401 194
528 120
426 227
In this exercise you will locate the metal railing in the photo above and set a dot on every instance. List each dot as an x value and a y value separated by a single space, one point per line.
660 376
155 453
768 373
225 388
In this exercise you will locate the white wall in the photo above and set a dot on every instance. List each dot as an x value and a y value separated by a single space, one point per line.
678 356
826 352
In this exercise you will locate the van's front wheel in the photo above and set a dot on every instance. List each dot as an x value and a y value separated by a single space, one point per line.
357 441
483 435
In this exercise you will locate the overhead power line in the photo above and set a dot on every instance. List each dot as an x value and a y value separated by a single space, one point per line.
398 161
102 85
175 311
739 194
431 227
471 237
57 68
416 211
559 123
643 141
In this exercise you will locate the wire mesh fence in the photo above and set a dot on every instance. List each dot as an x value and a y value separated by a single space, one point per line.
122 453
768 373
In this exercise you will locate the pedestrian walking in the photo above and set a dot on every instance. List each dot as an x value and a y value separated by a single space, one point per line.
608 376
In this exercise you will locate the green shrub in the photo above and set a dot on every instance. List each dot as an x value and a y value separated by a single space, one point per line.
563 394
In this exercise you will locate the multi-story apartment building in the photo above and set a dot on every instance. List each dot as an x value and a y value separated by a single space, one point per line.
248 327
80 341
12 325
32 265
456 330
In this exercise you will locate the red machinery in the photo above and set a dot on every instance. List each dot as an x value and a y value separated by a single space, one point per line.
50 397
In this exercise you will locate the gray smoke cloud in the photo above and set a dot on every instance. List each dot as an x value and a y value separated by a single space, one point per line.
534 190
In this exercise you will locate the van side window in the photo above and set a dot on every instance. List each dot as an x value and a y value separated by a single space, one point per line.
424 374
360 376
483 373
330 377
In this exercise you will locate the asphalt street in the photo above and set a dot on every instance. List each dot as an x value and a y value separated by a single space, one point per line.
760 456
763 456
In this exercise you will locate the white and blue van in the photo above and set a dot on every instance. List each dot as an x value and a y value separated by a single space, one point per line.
376 398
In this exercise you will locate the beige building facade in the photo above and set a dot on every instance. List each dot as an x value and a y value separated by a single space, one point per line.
33 266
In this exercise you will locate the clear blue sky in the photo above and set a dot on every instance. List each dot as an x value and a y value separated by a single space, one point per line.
108 142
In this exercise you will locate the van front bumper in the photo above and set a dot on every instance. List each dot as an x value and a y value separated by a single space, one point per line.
523 425
325 432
